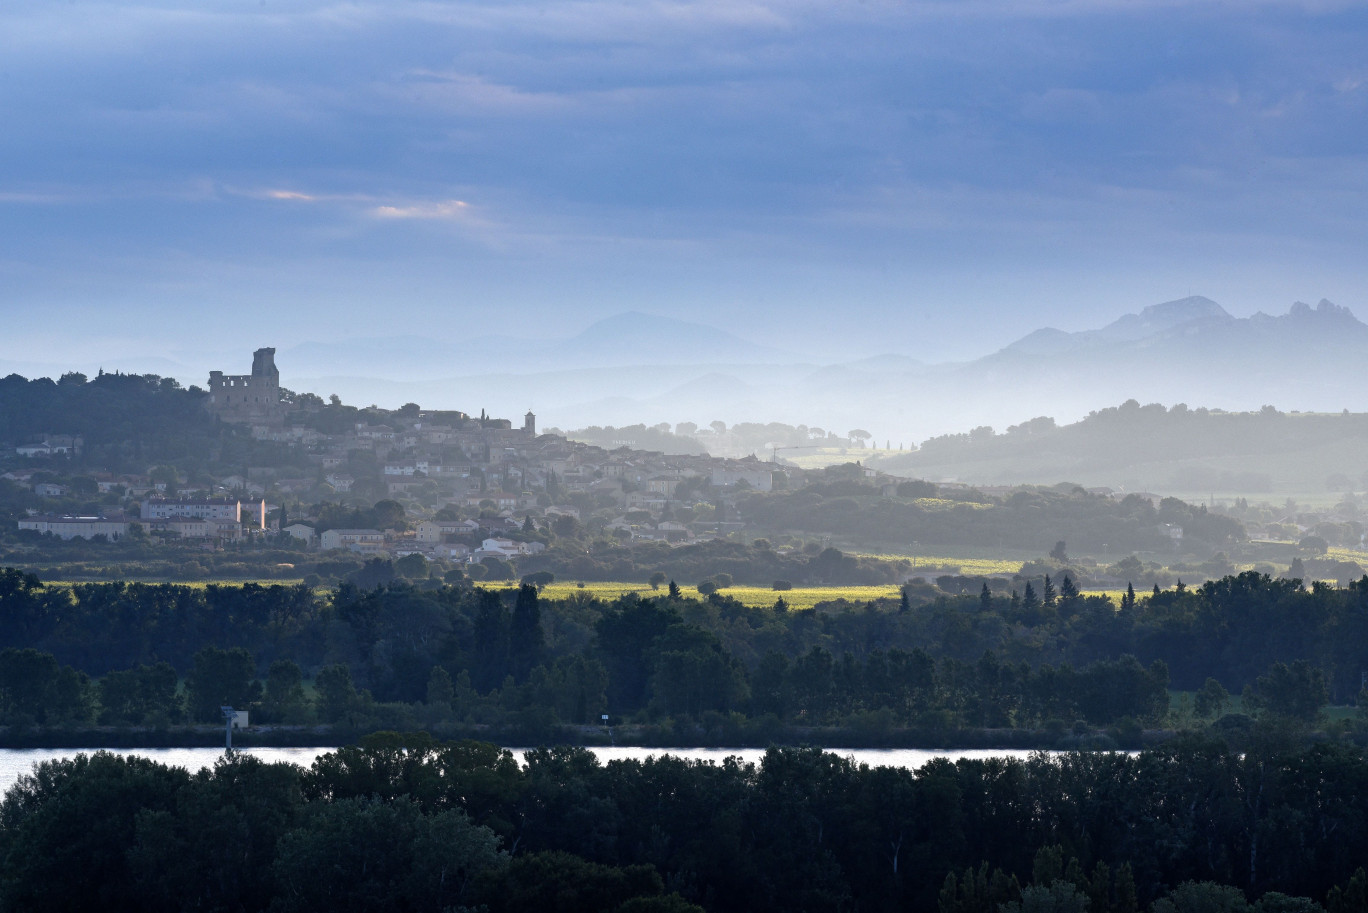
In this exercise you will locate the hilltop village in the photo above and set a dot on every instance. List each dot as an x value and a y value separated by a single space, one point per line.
468 487
135 476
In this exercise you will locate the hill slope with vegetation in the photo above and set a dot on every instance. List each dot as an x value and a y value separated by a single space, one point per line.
1153 448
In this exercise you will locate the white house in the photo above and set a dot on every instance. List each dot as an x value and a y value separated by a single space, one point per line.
434 531
506 548
364 541
300 531
76 527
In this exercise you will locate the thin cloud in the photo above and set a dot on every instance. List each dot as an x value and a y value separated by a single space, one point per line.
446 209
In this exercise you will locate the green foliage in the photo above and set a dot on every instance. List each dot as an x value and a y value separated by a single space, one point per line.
34 688
926 661
285 699
1202 897
440 690
408 822
221 678
1296 691
1024 519
561 881
381 856
126 420
412 567
715 560
337 696
140 695
65 831
1211 700
1350 897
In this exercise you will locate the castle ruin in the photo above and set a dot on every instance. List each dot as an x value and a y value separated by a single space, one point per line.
248 398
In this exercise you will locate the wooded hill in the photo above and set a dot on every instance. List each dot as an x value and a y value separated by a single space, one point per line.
1152 448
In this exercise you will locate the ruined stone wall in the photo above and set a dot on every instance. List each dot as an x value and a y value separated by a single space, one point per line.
254 397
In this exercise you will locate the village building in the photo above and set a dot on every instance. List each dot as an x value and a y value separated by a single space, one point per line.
240 511
76 527
362 541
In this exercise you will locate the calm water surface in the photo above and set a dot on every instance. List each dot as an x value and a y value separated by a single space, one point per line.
17 762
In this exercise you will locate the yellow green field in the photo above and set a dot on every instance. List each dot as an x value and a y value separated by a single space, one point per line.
192 584
974 567
752 596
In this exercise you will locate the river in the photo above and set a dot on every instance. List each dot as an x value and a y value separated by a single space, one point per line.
15 762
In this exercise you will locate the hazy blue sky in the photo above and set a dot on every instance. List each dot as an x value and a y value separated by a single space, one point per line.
934 178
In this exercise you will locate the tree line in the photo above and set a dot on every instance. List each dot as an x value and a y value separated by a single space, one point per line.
410 823
406 656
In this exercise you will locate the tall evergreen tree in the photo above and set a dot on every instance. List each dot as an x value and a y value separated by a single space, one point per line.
489 662
1067 596
526 642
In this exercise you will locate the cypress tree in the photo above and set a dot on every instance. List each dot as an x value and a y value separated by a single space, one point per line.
525 638
489 664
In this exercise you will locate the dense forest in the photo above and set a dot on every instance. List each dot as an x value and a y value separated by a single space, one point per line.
455 658
406 823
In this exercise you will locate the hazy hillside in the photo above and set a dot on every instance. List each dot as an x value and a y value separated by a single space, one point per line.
1152 448
641 368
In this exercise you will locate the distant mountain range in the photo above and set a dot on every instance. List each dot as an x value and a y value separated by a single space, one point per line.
637 367
643 368
1198 323
629 338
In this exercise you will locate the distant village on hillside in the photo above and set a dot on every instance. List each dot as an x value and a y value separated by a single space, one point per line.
499 479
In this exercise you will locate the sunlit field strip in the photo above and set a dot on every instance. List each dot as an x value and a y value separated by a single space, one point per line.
192 584
752 596
972 567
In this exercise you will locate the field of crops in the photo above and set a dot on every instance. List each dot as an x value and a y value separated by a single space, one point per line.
192 584
753 596
1348 554
949 564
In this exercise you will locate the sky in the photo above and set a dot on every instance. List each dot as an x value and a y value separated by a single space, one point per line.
839 178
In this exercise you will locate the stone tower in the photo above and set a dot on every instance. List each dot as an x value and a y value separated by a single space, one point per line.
263 365
530 424
248 398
